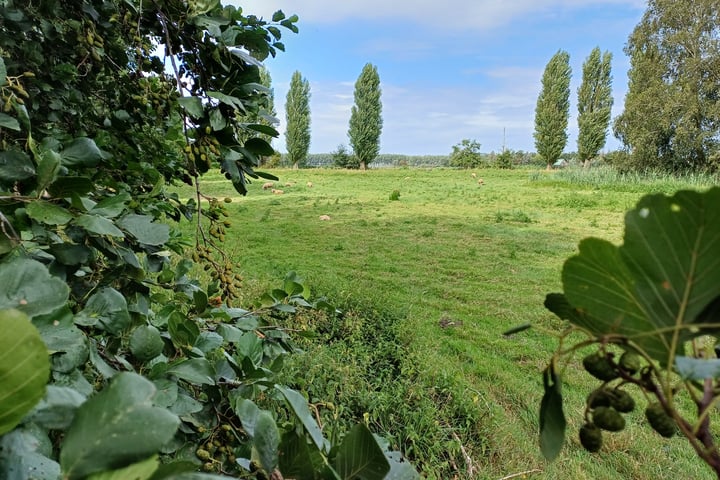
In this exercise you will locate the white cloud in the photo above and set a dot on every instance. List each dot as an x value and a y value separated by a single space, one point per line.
449 15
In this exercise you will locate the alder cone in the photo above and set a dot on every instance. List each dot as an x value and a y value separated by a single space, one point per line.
621 401
600 367
591 437
660 421
630 362
608 419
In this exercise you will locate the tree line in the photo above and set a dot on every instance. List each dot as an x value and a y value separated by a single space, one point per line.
671 117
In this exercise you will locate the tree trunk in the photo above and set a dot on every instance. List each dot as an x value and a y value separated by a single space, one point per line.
363 165
549 167
296 166
586 163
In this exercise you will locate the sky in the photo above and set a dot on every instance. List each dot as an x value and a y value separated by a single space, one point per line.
463 69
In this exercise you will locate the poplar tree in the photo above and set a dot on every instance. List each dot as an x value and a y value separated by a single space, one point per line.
553 109
594 105
366 117
672 108
297 114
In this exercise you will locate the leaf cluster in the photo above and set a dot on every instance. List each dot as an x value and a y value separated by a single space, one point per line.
130 367
655 297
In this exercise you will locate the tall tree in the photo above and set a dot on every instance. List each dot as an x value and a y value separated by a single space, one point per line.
594 105
366 116
297 115
672 108
553 109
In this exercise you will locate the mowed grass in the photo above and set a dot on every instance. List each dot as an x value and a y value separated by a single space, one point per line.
455 264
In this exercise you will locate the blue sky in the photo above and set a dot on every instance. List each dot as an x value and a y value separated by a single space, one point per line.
463 69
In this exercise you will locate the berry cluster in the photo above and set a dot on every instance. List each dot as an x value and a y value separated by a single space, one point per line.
606 405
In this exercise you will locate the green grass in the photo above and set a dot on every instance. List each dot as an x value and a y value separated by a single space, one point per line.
430 282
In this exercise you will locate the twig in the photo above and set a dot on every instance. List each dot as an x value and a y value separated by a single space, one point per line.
468 460
534 470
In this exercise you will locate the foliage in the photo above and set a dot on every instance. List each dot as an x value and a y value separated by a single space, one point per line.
646 309
341 158
267 115
366 116
594 105
297 114
141 371
382 160
672 110
505 159
466 154
553 109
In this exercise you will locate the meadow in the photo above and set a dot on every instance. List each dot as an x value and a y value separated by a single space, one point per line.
428 284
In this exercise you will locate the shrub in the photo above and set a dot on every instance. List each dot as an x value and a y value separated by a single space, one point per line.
466 154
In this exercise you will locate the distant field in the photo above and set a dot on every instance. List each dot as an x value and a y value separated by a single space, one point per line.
452 264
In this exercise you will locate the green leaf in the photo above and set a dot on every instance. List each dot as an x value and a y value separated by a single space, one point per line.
359 456
217 119
655 286
19 455
173 470
22 115
299 405
15 166
248 414
66 343
227 100
29 287
3 73
6 243
98 225
6 121
82 152
47 213
24 368
107 309
295 458
278 15
266 440
57 409
115 428
195 370
552 418
146 343
65 187
183 331
137 471
70 254
250 346
259 146
193 106
144 229
264 129
48 168
111 207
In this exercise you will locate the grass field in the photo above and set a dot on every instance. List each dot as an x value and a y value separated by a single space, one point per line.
430 282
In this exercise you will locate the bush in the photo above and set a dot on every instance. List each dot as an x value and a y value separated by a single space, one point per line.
343 159
504 160
466 154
